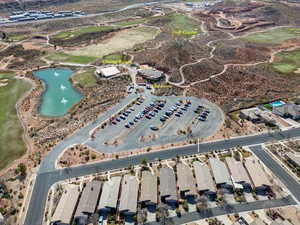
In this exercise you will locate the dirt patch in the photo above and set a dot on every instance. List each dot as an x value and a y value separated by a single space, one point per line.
241 87
175 54
22 58
80 154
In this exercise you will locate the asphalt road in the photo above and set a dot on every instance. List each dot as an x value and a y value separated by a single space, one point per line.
218 211
280 172
46 179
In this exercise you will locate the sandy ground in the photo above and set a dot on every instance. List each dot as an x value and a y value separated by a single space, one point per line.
3 84
123 40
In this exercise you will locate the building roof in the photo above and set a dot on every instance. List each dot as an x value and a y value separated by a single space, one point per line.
257 221
168 189
185 179
129 194
148 187
203 177
295 158
288 109
257 174
89 198
267 117
66 205
251 113
220 171
109 71
151 73
110 193
237 171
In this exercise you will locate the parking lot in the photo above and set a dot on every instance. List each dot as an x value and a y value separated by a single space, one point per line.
152 121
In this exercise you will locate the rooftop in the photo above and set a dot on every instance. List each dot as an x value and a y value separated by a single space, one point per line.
220 171
167 186
148 187
110 193
185 179
151 73
290 108
237 170
109 71
129 194
257 174
294 157
203 177
252 113
66 205
89 198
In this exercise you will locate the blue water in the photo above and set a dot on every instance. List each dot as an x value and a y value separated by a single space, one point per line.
277 103
59 95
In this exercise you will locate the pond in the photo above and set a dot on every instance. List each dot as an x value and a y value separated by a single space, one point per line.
59 95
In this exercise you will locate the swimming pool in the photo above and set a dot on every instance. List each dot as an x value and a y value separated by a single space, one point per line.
277 103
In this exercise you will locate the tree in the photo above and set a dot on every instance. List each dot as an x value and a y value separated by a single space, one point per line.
144 162
22 169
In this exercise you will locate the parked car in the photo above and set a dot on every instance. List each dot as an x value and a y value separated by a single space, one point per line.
153 128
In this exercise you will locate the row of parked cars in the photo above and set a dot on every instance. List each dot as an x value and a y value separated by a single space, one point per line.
203 112
179 108
124 115
148 112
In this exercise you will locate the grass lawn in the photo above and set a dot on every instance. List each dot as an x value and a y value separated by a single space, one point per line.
125 39
289 61
63 57
73 33
130 22
86 78
116 59
183 26
11 131
268 106
275 36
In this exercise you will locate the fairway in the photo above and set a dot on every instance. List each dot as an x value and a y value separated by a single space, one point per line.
123 40
130 22
74 33
17 37
288 61
11 131
116 59
182 25
63 57
275 36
